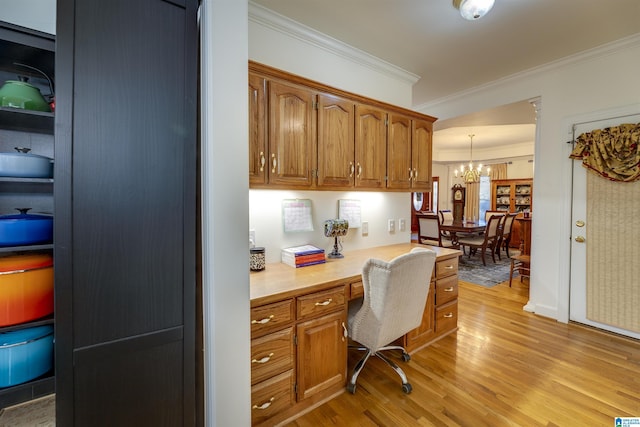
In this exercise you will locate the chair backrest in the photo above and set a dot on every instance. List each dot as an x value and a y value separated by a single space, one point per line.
446 215
488 214
429 229
395 295
508 223
493 227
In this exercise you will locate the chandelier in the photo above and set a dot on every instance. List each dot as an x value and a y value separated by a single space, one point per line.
473 9
472 174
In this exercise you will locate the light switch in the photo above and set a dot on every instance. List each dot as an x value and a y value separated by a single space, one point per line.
401 224
365 228
391 226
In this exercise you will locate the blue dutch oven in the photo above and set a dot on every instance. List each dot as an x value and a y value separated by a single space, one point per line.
25 354
25 229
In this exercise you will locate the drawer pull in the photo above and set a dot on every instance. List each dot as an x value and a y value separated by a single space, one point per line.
448 315
264 359
265 405
345 333
263 321
448 289
448 267
324 303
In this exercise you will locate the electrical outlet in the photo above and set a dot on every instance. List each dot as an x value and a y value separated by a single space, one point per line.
365 228
252 237
401 224
391 226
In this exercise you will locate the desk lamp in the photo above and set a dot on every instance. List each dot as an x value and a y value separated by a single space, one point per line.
335 228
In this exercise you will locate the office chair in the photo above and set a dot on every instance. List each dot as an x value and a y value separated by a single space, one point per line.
395 295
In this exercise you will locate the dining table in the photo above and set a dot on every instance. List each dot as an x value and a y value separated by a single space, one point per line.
454 227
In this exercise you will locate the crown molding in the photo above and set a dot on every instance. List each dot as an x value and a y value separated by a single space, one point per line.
267 18
596 52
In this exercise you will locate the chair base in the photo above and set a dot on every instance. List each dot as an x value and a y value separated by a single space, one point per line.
521 263
406 387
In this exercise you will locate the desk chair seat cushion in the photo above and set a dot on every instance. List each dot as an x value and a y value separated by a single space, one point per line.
395 295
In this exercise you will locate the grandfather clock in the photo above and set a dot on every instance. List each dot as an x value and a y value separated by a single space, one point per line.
458 202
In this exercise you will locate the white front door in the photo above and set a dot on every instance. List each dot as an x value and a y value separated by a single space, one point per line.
580 244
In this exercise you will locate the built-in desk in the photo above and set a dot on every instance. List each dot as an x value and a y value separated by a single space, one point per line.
298 327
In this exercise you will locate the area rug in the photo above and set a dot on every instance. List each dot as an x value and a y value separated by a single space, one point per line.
471 269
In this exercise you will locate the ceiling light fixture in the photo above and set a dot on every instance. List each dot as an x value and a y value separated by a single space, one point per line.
473 9
472 174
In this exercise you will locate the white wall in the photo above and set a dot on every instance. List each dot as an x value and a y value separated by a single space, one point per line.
225 186
377 208
597 80
37 14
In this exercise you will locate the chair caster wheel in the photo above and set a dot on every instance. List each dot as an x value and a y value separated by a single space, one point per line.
406 387
351 388
406 357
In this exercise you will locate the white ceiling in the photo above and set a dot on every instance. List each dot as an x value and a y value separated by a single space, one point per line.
429 38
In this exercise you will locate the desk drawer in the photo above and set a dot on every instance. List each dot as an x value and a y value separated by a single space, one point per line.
357 289
271 317
318 303
271 355
446 289
447 317
272 396
446 267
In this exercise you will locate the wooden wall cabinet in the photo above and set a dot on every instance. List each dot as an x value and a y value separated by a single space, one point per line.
371 147
336 149
303 134
409 149
513 195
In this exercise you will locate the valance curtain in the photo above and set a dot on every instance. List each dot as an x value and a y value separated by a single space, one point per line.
498 171
611 152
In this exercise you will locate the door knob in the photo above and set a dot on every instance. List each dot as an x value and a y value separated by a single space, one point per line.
579 223
580 239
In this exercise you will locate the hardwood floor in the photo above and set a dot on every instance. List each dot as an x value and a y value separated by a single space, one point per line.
503 367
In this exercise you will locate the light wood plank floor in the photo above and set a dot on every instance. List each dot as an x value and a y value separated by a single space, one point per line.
503 367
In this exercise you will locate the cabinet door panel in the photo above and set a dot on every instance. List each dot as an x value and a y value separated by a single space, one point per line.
371 147
426 331
257 130
292 140
399 170
336 167
322 354
421 154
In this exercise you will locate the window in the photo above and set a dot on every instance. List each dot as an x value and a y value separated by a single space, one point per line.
485 195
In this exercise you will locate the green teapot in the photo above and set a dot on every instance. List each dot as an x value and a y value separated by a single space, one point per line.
20 94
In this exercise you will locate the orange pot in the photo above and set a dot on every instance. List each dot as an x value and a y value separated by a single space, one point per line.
26 288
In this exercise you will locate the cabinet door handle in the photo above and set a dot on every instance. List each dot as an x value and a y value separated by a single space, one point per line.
264 359
410 174
359 170
415 174
448 315
262 321
324 303
345 333
448 289
274 163
352 169
265 405
262 161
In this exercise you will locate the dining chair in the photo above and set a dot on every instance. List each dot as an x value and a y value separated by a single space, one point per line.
395 295
487 241
429 232
505 235
521 264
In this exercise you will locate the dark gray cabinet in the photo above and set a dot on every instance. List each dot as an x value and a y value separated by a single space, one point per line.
125 212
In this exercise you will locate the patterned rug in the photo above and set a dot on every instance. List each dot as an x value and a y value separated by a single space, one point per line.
471 269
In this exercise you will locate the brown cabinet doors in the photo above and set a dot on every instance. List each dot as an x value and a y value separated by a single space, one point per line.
292 135
421 157
257 130
370 147
336 163
400 170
